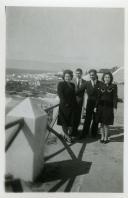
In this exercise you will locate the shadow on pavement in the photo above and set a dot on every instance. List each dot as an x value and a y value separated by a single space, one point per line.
116 130
118 133
63 170
117 139
66 170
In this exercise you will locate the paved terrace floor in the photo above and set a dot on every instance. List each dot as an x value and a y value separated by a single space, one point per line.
82 166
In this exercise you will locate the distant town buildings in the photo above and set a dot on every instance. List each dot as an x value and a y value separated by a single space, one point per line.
37 85
32 84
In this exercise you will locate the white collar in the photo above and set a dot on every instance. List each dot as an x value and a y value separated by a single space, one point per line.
94 82
77 79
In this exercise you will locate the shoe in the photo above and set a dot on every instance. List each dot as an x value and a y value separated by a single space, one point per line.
74 138
106 141
69 140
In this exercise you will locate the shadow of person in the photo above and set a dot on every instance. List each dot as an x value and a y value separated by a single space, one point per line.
119 138
116 134
115 130
65 170
88 139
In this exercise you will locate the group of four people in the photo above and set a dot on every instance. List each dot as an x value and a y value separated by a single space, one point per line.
101 101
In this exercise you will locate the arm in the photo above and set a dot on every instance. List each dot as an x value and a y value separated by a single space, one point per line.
115 97
98 97
60 92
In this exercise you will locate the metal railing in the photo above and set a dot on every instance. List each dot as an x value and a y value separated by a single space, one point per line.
50 125
9 180
12 137
20 121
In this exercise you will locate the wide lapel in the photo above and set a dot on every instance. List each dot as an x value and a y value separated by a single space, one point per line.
82 82
90 84
97 84
91 88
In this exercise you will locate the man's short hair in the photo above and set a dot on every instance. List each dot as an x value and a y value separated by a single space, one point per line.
79 70
93 70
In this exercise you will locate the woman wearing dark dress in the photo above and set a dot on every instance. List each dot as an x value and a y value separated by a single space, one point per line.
66 115
106 103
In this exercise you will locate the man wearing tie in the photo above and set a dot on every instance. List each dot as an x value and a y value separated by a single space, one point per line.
91 87
79 87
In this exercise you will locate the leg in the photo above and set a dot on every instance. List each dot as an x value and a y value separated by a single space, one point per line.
102 133
66 135
74 131
87 123
94 127
88 117
106 133
75 125
77 119
65 130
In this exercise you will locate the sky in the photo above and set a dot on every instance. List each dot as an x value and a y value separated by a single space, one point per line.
60 38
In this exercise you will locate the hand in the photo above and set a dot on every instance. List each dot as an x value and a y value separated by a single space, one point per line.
95 110
69 130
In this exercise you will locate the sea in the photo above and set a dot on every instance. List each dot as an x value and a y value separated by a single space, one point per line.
26 71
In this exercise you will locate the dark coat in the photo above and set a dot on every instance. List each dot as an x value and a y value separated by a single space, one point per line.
79 99
67 104
92 93
106 102
80 91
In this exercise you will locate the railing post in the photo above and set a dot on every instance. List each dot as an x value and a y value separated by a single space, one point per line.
25 157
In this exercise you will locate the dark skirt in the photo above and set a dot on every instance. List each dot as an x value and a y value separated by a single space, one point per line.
66 116
105 113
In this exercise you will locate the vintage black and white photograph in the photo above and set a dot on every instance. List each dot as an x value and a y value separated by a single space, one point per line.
64 90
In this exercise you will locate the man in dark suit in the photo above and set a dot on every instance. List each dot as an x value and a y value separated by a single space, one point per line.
80 90
91 87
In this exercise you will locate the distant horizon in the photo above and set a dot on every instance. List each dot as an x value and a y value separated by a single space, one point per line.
20 69
13 69
51 66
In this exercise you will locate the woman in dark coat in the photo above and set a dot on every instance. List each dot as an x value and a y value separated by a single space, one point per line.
66 115
106 103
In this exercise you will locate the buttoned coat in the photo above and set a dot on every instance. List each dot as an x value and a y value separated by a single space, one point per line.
66 114
106 102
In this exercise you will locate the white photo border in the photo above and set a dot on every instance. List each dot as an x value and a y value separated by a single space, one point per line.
60 3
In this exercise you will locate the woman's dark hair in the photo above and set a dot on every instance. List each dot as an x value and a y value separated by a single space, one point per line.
70 72
108 73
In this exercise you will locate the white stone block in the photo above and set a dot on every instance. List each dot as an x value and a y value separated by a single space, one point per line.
25 157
